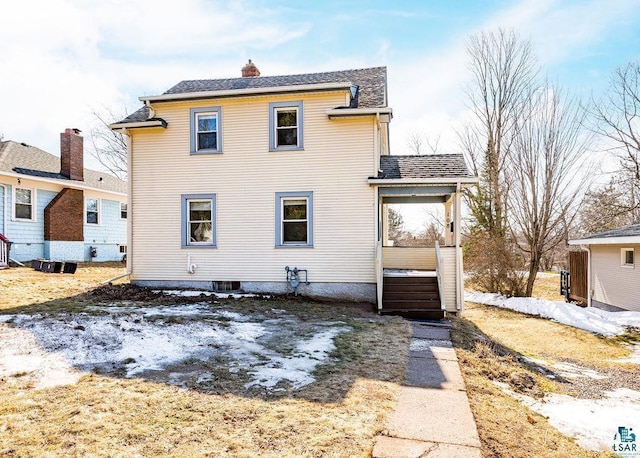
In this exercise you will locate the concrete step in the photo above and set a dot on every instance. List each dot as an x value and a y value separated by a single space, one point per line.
414 313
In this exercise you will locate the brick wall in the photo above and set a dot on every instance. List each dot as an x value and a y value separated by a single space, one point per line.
64 216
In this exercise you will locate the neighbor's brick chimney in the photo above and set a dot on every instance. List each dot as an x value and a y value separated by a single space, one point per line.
71 155
250 69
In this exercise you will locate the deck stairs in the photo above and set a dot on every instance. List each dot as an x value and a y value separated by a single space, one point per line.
412 296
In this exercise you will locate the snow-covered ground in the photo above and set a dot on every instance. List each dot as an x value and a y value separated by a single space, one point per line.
593 422
590 319
136 341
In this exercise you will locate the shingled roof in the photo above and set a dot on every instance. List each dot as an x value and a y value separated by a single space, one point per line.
423 167
628 231
371 86
30 161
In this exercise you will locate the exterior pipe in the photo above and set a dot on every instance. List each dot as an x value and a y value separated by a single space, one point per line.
111 280
4 210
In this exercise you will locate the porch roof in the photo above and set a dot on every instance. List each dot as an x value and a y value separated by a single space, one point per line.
423 169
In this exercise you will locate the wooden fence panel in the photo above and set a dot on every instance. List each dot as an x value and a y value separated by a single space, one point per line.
578 271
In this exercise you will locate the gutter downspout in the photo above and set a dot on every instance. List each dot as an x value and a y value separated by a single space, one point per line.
4 210
459 279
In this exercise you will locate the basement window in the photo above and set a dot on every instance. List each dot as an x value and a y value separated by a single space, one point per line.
226 286
627 257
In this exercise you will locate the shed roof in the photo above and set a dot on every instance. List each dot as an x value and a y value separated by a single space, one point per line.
33 162
627 234
371 86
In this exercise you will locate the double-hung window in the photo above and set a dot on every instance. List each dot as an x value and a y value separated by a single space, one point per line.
294 219
285 126
92 211
23 199
123 210
198 220
206 135
627 256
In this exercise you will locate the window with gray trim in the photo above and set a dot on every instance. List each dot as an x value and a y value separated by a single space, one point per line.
206 134
23 204
285 126
294 219
199 220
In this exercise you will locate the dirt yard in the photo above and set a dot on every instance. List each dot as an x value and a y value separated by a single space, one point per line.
120 371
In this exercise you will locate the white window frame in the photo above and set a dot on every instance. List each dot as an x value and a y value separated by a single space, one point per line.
86 211
623 257
195 114
274 109
126 210
33 204
281 198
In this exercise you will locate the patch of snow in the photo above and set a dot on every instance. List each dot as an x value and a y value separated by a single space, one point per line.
593 422
55 350
634 357
196 293
590 319
428 344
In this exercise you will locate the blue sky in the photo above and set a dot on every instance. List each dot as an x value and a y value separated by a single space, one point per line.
60 60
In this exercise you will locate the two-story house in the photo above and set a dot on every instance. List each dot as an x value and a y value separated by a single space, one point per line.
280 183
53 208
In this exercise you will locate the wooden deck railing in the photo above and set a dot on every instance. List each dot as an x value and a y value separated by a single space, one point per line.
4 251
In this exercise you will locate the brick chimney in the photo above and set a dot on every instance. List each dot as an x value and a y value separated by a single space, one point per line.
250 69
71 155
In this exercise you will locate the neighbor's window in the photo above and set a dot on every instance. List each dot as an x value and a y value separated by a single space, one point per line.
294 219
123 210
23 204
92 211
285 125
627 257
198 220
205 130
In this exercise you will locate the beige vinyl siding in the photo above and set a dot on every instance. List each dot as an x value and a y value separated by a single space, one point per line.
334 165
612 283
409 258
449 277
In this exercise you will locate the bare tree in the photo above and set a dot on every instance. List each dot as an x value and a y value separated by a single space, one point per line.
504 72
107 146
547 173
419 143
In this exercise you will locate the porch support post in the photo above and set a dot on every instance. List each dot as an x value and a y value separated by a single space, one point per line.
457 225
448 232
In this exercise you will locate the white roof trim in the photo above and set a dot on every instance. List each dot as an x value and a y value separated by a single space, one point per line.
631 239
64 183
133 125
339 112
247 91
465 182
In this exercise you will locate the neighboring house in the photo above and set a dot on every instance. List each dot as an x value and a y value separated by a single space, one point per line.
234 180
612 268
53 208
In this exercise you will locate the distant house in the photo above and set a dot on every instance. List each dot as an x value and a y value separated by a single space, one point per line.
53 208
613 268
282 183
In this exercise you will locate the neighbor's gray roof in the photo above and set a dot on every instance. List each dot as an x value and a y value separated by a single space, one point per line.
628 231
423 167
33 162
371 83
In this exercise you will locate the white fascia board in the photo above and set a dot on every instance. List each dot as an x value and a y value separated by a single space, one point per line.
246 92
343 112
607 241
64 183
133 125
464 182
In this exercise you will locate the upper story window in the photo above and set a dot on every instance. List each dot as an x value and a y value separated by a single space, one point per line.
123 210
198 220
627 257
285 126
206 135
92 211
294 219
23 199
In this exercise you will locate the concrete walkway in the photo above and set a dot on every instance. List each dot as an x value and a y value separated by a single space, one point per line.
432 418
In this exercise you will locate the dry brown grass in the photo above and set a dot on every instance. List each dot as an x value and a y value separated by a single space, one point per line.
338 415
490 343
